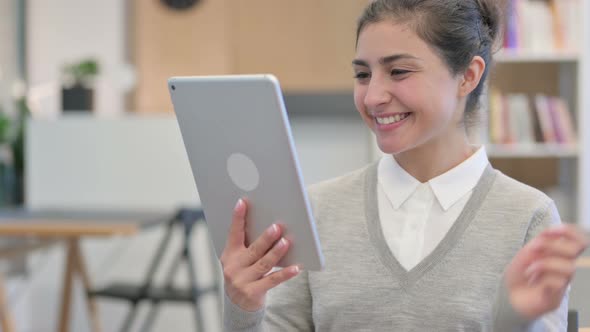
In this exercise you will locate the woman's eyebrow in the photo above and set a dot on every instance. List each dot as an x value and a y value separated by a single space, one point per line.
360 63
395 57
386 60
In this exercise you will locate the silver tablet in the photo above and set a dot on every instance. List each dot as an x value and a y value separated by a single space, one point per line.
238 140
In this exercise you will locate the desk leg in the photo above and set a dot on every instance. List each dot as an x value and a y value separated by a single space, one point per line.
5 316
68 283
90 302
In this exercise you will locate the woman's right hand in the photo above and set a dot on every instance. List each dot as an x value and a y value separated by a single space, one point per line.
246 268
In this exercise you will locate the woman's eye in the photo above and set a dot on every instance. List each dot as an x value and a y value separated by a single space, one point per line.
397 72
361 75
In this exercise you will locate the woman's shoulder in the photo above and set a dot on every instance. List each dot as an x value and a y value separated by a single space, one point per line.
342 195
511 191
351 181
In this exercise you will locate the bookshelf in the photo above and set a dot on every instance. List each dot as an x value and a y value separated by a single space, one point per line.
523 56
532 151
543 63
584 121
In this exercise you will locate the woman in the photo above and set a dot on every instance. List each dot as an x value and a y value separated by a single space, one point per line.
430 238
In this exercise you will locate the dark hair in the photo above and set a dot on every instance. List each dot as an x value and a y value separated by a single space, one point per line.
457 29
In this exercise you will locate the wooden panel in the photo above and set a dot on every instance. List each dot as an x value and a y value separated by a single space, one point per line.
536 172
307 44
51 228
167 43
526 78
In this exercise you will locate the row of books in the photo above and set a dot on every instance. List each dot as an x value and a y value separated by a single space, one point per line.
528 119
541 25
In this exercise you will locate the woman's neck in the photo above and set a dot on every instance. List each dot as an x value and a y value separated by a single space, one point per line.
434 158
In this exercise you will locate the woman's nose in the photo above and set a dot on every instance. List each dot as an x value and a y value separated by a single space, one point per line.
377 93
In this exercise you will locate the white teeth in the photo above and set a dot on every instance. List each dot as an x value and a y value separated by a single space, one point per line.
391 119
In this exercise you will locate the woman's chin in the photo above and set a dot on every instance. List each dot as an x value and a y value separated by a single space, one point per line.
388 148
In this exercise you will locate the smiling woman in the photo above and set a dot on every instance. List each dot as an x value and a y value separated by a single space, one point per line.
406 80
430 237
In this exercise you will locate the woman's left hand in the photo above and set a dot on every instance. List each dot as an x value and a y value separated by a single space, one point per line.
541 271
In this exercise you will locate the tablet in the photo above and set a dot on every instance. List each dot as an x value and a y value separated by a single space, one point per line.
239 144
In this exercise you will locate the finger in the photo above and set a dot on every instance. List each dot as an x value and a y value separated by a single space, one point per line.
276 278
267 262
261 245
571 232
237 232
529 253
553 289
561 247
554 266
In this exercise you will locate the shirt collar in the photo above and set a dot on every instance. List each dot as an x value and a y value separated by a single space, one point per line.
448 188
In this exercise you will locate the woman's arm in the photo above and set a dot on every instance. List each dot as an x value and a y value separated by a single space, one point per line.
288 308
248 272
533 292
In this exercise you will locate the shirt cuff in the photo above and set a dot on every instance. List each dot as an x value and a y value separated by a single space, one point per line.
237 319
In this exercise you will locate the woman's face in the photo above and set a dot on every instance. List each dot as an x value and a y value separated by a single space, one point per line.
404 91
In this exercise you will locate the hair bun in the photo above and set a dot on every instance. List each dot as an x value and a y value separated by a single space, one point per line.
491 14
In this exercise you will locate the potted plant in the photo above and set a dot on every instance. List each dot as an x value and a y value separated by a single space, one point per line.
7 174
77 89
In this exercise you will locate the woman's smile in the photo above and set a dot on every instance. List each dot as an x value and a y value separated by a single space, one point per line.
385 122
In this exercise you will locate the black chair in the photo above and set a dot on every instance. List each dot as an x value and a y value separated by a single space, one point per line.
572 321
146 291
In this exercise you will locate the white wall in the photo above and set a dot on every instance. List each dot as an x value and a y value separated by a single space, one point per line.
8 52
330 146
62 31
113 163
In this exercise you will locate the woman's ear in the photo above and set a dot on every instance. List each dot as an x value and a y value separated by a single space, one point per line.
472 76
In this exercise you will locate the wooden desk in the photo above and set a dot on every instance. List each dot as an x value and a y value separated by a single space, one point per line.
69 232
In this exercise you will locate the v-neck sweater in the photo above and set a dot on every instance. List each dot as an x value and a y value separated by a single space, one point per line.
457 287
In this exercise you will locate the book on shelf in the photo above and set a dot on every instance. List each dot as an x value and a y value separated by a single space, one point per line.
542 25
529 119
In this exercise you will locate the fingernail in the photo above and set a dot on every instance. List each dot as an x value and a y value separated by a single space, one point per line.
282 243
296 269
273 229
239 204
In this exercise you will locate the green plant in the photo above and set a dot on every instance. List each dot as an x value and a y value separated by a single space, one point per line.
5 124
81 73
18 144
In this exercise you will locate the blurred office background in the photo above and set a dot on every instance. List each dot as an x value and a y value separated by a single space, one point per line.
113 145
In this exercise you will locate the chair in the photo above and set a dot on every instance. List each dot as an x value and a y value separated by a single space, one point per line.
572 321
146 291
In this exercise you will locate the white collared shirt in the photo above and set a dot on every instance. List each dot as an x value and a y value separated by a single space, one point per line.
416 216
